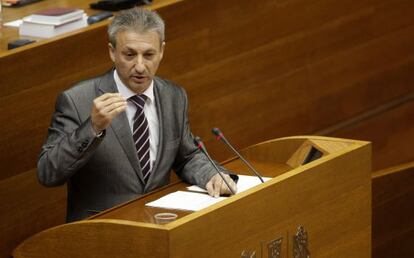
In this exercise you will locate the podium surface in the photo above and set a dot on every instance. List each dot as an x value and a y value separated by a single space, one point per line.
317 204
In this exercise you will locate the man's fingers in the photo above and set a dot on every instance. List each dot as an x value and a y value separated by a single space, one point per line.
209 188
112 100
233 185
105 108
114 108
100 105
106 96
106 114
212 186
107 99
225 188
217 184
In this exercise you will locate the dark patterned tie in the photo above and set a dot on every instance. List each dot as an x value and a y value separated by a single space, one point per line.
140 134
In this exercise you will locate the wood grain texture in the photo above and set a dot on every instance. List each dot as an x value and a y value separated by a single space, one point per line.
296 199
294 75
391 134
291 76
97 239
8 34
257 71
30 79
334 189
393 212
27 208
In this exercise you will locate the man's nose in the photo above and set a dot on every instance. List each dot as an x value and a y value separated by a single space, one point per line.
139 64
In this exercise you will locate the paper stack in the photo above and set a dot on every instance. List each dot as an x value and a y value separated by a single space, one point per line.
52 22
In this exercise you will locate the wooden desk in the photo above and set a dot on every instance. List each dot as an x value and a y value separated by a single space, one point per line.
329 197
8 34
136 210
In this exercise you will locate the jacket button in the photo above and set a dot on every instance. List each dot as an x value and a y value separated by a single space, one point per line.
80 149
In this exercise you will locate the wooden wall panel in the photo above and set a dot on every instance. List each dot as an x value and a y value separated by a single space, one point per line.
302 77
393 212
390 132
258 70
26 208
276 69
29 87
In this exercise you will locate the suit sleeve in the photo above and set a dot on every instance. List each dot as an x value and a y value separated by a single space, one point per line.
191 164
69 145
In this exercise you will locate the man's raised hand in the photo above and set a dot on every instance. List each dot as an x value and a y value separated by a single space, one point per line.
105 108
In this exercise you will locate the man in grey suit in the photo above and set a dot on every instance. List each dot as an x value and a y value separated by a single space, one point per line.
117 136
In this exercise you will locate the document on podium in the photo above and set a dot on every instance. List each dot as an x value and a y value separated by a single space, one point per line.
244 183
199 199
182 200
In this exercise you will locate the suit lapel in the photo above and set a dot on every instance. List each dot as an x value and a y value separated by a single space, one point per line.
120 126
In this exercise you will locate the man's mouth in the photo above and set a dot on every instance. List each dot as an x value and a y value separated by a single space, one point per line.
139 78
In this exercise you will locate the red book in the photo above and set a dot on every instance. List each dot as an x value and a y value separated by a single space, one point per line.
56 11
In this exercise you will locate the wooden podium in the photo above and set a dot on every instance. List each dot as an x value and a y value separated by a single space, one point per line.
318 204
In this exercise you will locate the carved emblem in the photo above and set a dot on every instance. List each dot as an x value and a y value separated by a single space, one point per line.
300 244
248 254
274 248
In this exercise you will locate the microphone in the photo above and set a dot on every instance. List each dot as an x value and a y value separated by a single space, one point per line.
221 137
201 146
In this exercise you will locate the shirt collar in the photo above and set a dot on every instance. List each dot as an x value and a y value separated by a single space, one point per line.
127 92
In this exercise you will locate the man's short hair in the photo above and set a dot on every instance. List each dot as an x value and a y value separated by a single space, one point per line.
136 19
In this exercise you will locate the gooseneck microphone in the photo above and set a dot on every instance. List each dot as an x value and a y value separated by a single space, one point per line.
201 146
221 137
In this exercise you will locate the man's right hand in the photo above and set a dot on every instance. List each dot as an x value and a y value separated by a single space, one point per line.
105 108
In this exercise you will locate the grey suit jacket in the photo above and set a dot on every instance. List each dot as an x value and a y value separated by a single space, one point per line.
103 172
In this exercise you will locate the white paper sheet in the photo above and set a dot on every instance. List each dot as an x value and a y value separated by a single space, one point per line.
244 183
181 200
15 24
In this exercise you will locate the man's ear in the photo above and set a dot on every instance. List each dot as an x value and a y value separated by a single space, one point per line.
162 49
111 52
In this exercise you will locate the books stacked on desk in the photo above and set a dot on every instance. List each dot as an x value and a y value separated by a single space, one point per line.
52 22
17 3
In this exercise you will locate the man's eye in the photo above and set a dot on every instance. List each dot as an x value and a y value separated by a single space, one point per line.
129 54
149 55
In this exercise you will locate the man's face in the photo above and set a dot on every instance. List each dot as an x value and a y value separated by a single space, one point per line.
136 58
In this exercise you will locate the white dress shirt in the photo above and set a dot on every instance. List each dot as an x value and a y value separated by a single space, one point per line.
150 111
